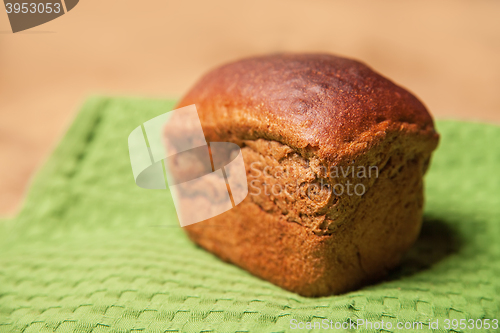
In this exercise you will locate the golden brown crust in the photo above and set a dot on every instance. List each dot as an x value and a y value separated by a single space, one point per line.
294 116
318 102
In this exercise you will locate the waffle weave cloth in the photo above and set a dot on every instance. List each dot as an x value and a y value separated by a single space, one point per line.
92 252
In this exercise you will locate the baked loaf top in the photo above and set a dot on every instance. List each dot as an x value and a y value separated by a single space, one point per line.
316 103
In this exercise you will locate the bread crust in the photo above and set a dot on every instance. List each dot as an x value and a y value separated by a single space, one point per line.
317 103
306 112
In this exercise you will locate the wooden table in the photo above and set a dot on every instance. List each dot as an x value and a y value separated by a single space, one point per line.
446 52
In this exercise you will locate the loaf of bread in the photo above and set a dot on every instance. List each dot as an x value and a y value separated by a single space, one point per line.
334 155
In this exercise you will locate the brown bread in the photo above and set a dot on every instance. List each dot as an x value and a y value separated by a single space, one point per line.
304 123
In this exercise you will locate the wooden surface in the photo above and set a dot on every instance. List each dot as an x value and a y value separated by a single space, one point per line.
446 52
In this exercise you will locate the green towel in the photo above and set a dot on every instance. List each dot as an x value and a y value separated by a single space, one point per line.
92 252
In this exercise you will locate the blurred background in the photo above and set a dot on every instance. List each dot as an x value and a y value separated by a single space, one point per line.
446 52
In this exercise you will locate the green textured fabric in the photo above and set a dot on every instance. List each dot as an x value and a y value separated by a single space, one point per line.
92 252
